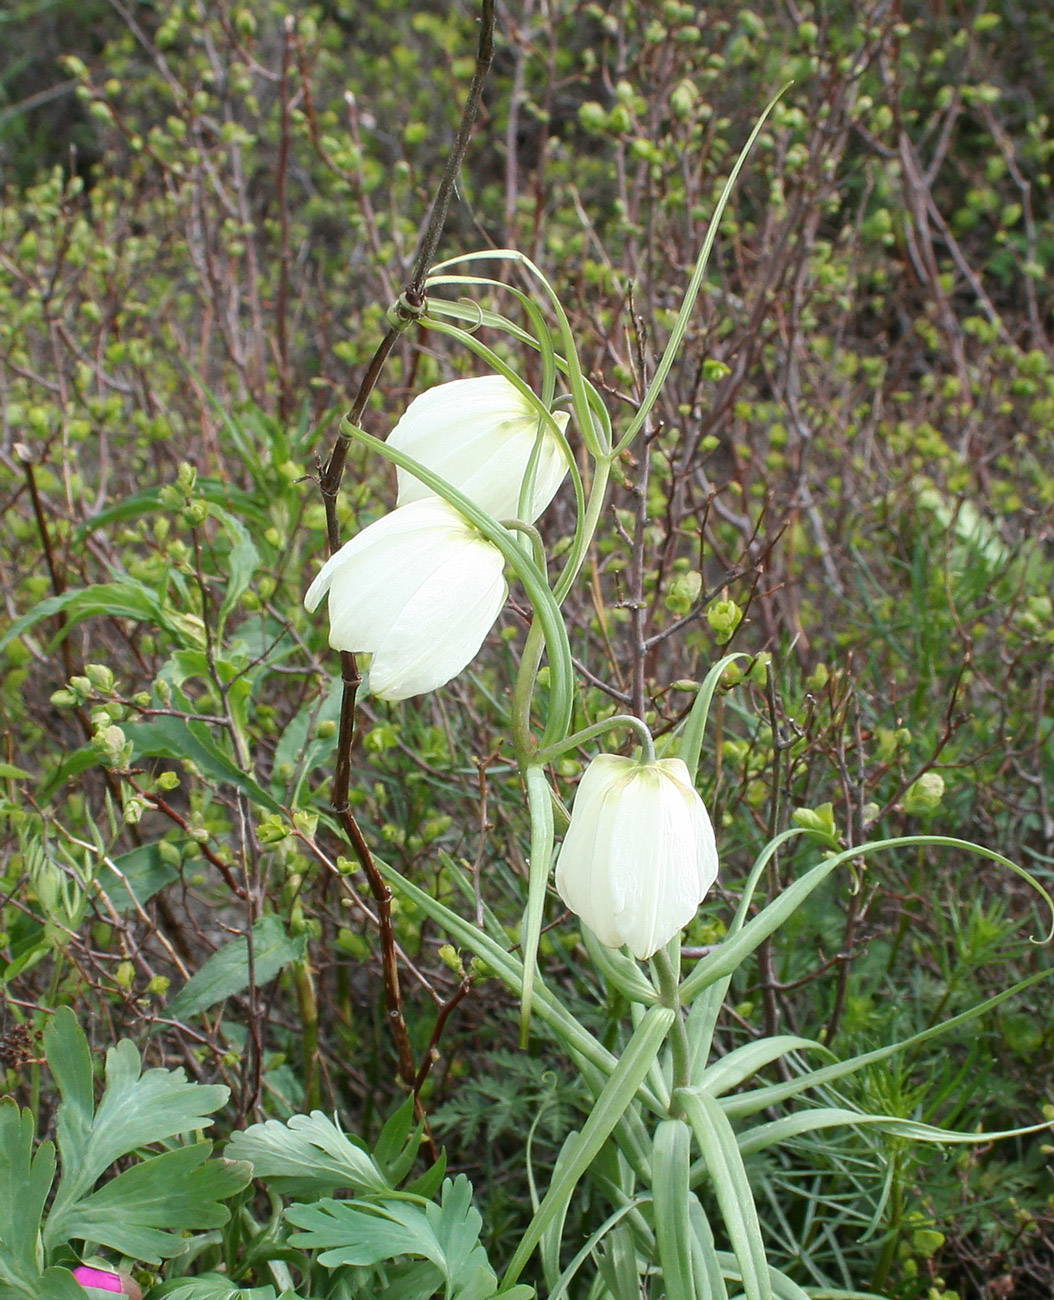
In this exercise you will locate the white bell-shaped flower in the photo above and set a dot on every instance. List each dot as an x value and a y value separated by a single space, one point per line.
639 854
419 590
479 434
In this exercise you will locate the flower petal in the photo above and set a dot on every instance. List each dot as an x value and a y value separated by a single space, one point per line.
479 435
583 866
437 633
419 589
639 854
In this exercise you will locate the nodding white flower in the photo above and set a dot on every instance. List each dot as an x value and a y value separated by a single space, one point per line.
479 434
639 854
419 590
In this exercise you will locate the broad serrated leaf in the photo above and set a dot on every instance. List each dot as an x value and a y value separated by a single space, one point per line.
69 1060
214 1286
142 1212
136 1108
227 971
25 1180
364 1233
307 1156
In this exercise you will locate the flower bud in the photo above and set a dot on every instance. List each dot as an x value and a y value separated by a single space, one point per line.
925 795
98 1281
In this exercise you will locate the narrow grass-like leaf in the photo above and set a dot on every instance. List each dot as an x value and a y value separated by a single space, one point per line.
785 1288
593 1241
672 1196
744 1062
695 283
620 971
730 954
823 1117
709 1278
552 1239
728 1176
509 969
689 746
617 1095
541 807
749 1103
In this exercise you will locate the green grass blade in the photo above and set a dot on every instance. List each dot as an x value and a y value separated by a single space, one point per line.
717 1142
610 1106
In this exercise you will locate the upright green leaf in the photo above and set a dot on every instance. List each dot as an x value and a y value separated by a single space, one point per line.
729 1180
136 1109
25 1180
672 1195
614 1100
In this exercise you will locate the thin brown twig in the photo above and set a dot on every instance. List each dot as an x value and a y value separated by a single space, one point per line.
285 392
401 316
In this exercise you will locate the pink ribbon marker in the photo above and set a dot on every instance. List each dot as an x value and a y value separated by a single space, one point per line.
103 1281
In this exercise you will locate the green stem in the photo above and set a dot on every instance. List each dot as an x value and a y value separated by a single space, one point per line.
896 1212
307 1004
584 535
669 996
662 370
523 693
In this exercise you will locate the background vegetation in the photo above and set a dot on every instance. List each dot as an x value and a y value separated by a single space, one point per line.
207 209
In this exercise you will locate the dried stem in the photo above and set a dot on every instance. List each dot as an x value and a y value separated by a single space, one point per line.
403 314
